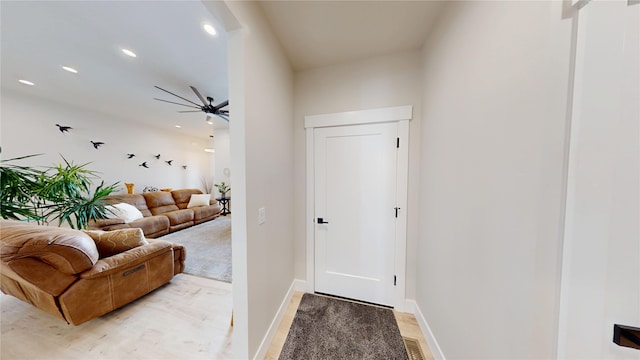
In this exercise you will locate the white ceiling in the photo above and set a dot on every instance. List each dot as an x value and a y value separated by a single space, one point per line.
173 52
37 38
320 33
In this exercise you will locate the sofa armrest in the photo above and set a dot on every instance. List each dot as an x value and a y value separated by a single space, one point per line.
179 255
126 259
101 224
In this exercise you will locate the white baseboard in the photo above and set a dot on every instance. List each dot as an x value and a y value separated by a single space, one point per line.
412 307
299 285
296 285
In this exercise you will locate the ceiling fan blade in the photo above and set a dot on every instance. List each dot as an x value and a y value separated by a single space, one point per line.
167 91
188 111
191 106
204 102
221 105
224 112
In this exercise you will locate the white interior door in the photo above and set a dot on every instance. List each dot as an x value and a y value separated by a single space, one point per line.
355 170
601 264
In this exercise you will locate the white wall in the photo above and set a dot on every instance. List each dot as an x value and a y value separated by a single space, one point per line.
222 159
601 272
261 101
494 116
28 127
391 80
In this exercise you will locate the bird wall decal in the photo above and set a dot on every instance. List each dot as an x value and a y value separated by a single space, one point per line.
184 167
144 165
169 162
97 144
63 128
157 156
129 156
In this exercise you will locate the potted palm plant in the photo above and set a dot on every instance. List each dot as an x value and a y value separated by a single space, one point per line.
61 193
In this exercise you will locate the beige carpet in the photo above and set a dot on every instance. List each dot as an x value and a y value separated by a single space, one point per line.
208 248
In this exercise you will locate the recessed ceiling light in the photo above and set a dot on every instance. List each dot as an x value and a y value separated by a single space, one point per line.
70 69
129 53
209 150
26 82
209 29
178 126
209 122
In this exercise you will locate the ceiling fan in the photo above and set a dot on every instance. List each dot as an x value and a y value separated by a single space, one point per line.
207 108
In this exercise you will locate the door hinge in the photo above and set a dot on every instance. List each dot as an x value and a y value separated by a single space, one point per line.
398 143
394 280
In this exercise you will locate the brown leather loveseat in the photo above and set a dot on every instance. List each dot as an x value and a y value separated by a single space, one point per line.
78 276
163 212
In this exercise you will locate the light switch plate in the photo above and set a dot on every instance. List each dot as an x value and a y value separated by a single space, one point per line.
262 215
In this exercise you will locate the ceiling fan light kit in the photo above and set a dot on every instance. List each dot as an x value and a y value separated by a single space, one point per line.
207 107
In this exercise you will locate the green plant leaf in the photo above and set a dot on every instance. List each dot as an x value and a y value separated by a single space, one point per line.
60 193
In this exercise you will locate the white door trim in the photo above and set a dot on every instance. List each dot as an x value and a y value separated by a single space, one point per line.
400 114
371 116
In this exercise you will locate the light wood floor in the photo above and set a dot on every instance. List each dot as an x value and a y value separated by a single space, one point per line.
185 319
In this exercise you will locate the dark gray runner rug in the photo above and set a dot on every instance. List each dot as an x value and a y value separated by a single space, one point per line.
328 328
208 248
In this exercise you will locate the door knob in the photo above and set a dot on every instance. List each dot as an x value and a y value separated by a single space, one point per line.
321 221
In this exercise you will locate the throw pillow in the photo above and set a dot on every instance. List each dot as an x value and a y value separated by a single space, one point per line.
126 212
113 212
199 200
110 243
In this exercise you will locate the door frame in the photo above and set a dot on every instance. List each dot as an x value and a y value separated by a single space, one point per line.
399 114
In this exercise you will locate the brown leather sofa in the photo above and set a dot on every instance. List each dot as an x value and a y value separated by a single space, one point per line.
78 276
163 212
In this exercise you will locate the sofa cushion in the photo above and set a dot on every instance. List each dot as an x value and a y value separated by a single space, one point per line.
152 225
98 224
67 250
183 196
136 200
114 242
199 200
178 217
205 212
124 211
160 202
